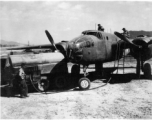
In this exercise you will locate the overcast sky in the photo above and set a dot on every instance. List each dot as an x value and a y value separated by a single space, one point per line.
27 21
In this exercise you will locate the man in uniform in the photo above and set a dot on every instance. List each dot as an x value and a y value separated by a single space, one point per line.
125 32
22 83
100 28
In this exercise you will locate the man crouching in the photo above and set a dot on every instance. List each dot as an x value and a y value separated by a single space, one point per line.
22 83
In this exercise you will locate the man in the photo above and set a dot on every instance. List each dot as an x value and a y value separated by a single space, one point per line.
125 32
100 28
22 83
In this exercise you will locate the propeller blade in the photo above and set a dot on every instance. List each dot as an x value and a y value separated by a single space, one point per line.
127 40
50 38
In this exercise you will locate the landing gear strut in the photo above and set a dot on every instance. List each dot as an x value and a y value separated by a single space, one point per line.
139 67
84 82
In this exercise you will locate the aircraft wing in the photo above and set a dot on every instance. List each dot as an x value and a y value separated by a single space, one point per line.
46 46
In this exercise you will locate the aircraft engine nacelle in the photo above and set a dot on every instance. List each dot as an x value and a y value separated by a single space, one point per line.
145 51
62 47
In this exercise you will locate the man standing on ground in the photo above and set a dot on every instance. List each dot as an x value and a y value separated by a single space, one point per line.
22 83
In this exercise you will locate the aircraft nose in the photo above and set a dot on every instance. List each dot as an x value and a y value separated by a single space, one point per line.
77 46
70 45
74 52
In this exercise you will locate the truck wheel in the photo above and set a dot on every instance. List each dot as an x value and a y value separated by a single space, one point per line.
43 85
84 83
147 71
60 82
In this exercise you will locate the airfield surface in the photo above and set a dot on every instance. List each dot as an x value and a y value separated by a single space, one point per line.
124 100
130 100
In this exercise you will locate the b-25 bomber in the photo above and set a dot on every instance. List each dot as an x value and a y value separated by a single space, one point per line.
97 47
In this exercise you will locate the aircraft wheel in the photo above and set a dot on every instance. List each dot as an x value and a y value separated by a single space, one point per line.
43 85
147 71
60 82
84 83
138 70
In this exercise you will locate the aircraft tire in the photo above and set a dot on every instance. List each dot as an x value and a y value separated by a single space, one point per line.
60 82
138 70
43 85
147 71
84 83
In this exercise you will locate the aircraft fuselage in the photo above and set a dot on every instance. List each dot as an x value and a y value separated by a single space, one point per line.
95 47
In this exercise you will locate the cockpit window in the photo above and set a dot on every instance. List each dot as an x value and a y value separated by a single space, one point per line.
84 44
97 34
101 37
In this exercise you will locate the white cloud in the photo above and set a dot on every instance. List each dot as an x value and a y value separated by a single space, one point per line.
67 29
78 7
66 19
64 5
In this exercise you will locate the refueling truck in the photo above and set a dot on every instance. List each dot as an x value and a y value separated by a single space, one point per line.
42 70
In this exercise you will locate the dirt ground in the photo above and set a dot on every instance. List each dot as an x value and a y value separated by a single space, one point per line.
115 100
120 100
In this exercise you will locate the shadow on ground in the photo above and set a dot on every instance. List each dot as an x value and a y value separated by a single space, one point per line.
7 91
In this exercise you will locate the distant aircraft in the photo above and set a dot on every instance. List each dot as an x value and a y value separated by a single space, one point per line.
97 47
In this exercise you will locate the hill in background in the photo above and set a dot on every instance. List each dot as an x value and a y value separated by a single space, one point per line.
134 34
4 43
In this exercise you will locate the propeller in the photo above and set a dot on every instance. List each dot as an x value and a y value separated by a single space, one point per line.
138 46
127 40
50 39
